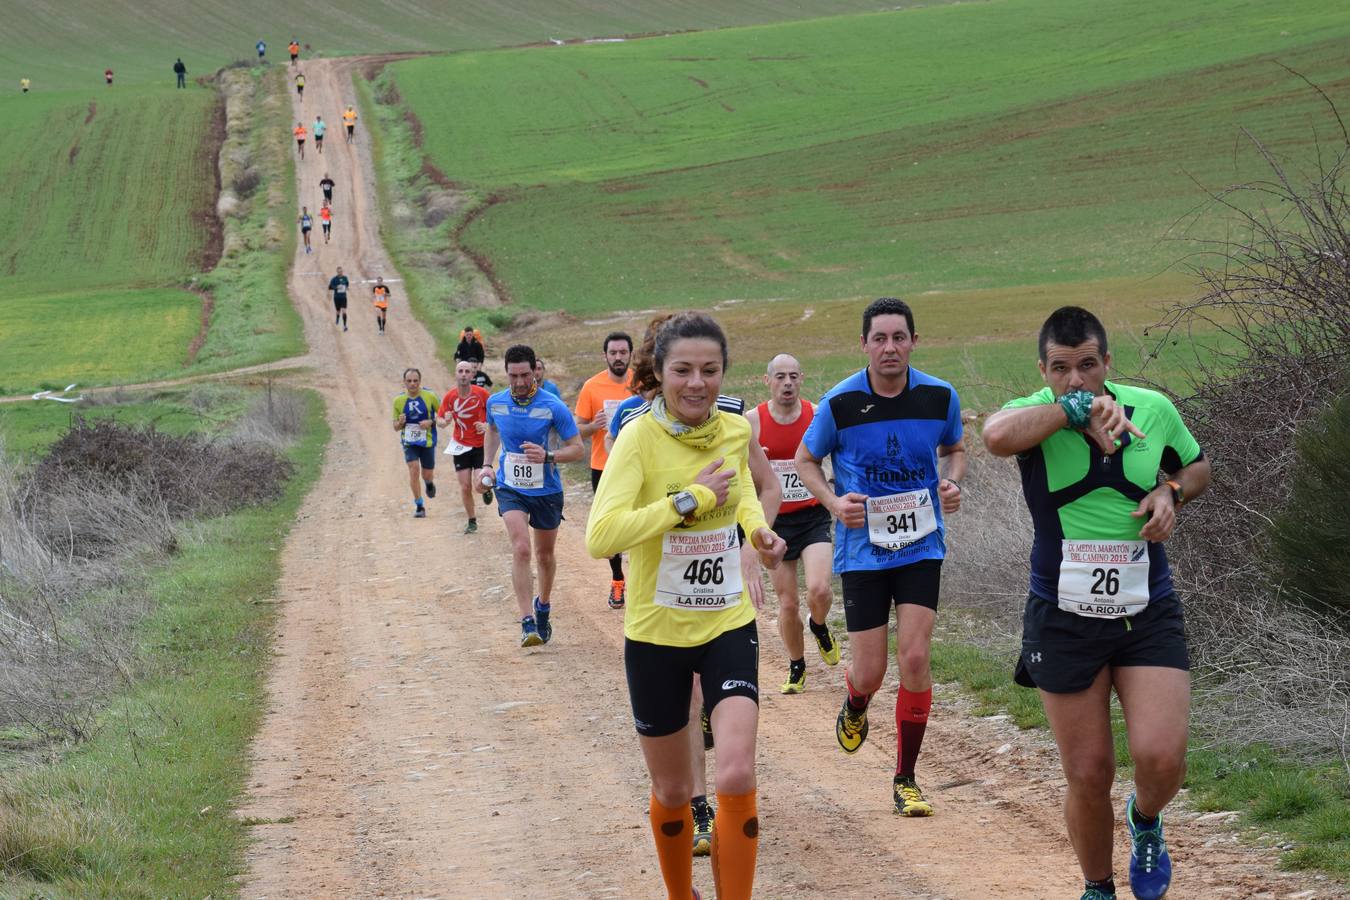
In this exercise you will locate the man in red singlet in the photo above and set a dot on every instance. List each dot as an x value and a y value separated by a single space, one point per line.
802 522
465 407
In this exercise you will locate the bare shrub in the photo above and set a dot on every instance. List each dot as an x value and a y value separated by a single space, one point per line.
276 418
1277 292
246 182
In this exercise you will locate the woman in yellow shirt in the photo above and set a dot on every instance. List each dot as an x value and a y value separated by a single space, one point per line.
676 487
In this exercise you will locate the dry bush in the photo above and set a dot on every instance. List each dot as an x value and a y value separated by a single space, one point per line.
276 418
1278 291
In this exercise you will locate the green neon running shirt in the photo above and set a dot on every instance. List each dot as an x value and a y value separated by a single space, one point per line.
1077 493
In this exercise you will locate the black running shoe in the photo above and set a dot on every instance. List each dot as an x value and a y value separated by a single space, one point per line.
431 489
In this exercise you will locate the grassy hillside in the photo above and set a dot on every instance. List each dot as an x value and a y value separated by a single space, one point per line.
70 45
965 147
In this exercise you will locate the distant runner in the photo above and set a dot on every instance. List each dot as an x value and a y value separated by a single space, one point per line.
300 85
1101 612
470 346
524 471
885 428
464 409
802 523
415 421
294 49
380 293
338 285
542 379
596 402
108 76
349 120
261 47
480 378
306 225
326 185
326 220
300 135
320 126
181 71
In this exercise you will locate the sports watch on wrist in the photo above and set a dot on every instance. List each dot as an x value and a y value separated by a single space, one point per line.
686 504
1178 495
548 456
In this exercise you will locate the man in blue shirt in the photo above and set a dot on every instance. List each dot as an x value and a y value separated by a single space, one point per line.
545 383
884 429
517 461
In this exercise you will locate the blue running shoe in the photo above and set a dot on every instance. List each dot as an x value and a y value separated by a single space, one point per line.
541 620
1150 865
529 633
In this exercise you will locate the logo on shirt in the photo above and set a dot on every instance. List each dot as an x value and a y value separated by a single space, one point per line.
867 408
892 445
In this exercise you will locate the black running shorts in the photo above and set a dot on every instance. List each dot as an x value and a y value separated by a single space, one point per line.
660 678
339 301
803 527
595 479
469 459
1062 652
869 595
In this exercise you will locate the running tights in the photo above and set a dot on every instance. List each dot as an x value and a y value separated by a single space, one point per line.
616 566
673 830
735 845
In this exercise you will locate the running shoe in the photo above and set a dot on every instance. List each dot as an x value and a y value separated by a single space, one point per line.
706 724
618 593
909 799
420 512
703 828
1150 864
850 729
828 647
541 620
796 682
487 497
472 527
529 633
1096 894
431 489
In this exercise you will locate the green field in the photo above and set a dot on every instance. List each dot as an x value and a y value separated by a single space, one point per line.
71 46
972 146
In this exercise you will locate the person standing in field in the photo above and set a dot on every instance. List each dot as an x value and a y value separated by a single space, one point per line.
1105 468
300 135
108 77
885 429
521 421
596 401
677 492
262 49
306 225
320 126
380 293
326 185
326 220
464 407
415 421
802 523
180 70
294 48
349 120
300 85
24 85
337 286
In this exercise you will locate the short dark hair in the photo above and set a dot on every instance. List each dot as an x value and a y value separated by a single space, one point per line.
887 306
520 353
683 326
411 369
1070 326
617 336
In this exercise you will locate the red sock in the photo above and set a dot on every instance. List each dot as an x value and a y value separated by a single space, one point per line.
673 830
856 700
911 718
735 845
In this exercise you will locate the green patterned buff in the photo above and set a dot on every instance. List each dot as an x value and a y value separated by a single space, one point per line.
1077 407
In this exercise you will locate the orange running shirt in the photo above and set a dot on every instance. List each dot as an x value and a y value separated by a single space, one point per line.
300 132
464 412
325 213
600 392
382 301
349 117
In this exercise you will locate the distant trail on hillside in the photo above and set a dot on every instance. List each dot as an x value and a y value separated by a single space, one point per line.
410 748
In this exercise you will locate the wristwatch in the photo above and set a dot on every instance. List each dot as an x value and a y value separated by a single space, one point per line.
686 504
548 456
1178 495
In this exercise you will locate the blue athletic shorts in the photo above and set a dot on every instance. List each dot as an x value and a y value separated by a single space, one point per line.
545 511
425 455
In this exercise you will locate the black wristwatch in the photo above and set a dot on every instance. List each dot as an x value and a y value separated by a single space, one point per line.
1178 495
548 456
686 504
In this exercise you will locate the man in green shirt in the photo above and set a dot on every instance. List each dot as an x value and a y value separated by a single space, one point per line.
1104 467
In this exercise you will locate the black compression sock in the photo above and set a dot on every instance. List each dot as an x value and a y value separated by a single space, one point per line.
1106 886
797 666
819 631
1141 821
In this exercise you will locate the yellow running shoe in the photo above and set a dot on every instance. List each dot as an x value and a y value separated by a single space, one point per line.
796 682
850 729
828 647
703 828
909 799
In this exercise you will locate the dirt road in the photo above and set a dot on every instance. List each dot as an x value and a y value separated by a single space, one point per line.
412 749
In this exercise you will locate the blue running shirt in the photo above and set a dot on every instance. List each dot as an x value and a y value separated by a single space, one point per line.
881 446
531 422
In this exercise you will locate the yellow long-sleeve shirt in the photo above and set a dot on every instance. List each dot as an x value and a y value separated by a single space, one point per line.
676 570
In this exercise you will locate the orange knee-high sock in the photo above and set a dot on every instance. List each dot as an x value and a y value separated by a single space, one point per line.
734 846
673 830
